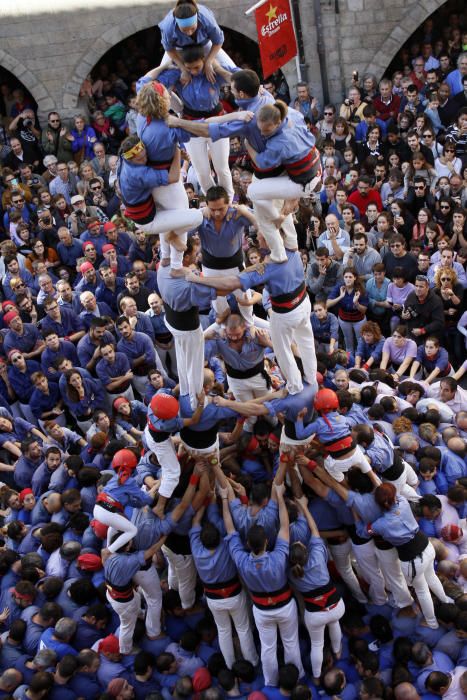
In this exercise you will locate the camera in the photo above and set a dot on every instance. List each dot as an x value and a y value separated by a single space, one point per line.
27 122
355 76
194 203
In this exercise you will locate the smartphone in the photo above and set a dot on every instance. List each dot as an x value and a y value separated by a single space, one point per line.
355 75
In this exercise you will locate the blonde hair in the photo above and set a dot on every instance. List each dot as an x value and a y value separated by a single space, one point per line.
274 113
445 271
150 104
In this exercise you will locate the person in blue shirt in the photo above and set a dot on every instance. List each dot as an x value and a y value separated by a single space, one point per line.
265 575
19 373
290 315
432 361
14 431
114 371
153 195
56 347
325 328
82 396
193 24
24 337
200 98
323 605
63 321
110 287
398 526
369 346
225 596
46 401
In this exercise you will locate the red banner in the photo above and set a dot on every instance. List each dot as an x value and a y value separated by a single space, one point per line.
276 36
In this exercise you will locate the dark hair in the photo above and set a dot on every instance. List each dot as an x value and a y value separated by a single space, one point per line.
246 81
256 538
385 496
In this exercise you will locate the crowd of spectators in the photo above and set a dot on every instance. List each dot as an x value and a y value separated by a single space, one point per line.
84 348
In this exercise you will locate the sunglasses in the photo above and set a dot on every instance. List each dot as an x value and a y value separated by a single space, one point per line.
445 279
17 358
444 206
329 114
421 278
17 201
428 136
21 284
95 189
419 187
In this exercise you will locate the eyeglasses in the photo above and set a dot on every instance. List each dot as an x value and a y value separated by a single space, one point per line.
419 187
396 245
89 249
17 358
54 121
449 150
96 188
421 278
17 201
428 136
445 279
444 206
328 114
20 284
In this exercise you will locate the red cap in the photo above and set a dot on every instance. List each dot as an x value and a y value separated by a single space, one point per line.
100 530
7 303
326 400
84 267
107 247
257 695
86 243
109 226
319 378
24 492
109 645
164 406
274 438
119 402
116 686
89 562
201 680
9 316
452 532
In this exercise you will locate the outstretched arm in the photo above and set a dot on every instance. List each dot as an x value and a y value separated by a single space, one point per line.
302 504
222 284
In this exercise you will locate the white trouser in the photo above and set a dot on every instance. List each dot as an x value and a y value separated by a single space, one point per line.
228 610
401 483
268 623
294 326
268 195
200 149
140 384
189 346
167 458
368 566
395 581
424 581
337 467
149 583
341 556
247 389
316 623
220 304
182 576
116 523
128 614
200 451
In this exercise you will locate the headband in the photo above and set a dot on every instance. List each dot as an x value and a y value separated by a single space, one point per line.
187 21
134 151
158 87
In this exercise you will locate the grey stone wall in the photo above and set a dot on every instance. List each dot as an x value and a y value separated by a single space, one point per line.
51 53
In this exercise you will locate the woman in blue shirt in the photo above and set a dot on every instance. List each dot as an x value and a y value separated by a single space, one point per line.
398 527
323 605
83 138
369 346
352 302
131 415
190 24
432 360
83 396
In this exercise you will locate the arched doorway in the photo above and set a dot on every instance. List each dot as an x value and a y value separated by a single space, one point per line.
441 29
9 87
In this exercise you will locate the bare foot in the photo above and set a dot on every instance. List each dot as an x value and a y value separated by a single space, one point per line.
177 272
165 262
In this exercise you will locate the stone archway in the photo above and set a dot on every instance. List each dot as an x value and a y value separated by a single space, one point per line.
408 24
37 89
227 17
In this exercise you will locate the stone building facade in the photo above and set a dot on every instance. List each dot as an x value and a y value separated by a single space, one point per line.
52 52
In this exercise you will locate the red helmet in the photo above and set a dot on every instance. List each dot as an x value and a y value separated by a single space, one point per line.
164 406
326 400
124 459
